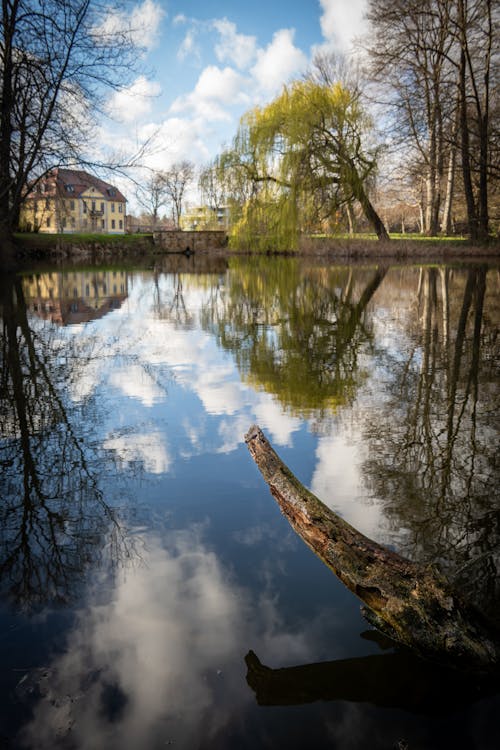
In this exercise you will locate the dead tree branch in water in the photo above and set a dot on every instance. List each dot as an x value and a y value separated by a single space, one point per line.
412 603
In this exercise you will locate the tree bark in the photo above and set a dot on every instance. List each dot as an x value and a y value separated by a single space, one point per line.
411 603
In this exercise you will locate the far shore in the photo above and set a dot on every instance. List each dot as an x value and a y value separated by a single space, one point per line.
100 247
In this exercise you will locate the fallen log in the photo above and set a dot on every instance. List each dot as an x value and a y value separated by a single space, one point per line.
412 603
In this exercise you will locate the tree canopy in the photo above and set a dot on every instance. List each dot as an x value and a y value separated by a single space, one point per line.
58 60
296 161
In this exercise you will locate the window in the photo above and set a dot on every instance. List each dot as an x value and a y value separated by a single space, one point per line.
112 208
73 222
87 290
63 222
120 208
113 223
103 223
93 205
47 221
102 207
121 224
72 205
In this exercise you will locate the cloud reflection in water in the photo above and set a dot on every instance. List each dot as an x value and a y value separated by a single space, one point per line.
162 661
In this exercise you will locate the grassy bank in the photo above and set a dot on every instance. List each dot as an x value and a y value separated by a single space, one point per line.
400 246
345 247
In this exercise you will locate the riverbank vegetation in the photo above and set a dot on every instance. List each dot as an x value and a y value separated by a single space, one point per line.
402 138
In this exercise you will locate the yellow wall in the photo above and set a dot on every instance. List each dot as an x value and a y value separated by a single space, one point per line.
204 217
75 214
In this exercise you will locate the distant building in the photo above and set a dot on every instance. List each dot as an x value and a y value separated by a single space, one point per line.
205 217
67 200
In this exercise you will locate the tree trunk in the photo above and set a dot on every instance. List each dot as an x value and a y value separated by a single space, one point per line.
371 214
450 184
411 603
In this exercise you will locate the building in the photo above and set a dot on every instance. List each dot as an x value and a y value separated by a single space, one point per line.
205 217
67 200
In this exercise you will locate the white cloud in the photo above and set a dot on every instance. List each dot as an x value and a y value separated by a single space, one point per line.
342 21
135 101
216 87
270 416
224 85
337 482
239 49
279 61
142 23
189 48
148 449
174 139
136 383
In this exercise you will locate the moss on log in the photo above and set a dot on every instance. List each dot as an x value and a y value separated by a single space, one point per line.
413 604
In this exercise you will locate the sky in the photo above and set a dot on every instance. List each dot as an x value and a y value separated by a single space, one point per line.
206 62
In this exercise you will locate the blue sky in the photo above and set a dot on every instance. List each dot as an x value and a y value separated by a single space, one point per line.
207 62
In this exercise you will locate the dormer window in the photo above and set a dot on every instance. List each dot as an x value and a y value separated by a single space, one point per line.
70 188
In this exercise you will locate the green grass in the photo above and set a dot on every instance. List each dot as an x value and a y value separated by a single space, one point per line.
394 236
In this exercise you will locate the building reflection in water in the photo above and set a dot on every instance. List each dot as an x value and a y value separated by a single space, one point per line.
75 297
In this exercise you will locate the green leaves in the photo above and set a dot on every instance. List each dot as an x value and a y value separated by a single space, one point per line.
294 163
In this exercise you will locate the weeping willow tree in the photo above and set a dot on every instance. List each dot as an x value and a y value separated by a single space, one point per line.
294 163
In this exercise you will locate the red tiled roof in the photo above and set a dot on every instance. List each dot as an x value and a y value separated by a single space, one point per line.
74 182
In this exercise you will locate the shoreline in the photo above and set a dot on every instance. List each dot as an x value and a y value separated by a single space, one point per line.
33 249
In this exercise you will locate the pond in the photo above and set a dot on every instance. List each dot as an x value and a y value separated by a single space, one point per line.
151 592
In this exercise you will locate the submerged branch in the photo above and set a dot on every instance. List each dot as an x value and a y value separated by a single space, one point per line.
412 603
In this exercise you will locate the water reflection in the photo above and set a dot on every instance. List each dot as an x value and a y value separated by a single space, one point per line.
155 666
74 297
396 680
54 517
433 448
297 333
379 383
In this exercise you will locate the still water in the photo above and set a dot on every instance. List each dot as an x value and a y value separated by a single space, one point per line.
151 593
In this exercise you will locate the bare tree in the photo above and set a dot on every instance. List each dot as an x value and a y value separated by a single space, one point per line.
478 50
212 188
152 195
58 59
176 180
409 53
436 60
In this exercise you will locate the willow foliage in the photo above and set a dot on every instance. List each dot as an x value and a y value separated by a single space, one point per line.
295 162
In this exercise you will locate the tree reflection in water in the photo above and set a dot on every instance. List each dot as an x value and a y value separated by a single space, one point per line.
303 334
54 519
297 333
433 445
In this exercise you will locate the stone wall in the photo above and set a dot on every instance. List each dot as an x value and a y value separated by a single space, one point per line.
179 241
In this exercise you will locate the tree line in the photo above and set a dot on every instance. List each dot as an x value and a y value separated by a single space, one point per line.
306 161
312 156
